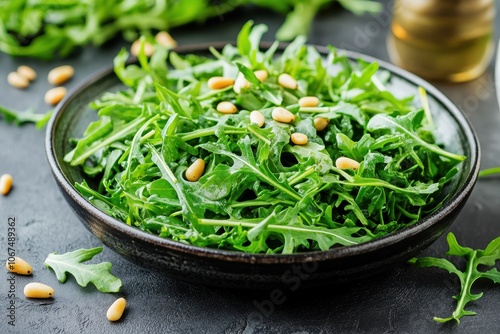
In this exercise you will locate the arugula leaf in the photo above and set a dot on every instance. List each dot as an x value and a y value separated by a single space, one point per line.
248 161
361 6
28 116
479 265
406 125
84 151
44 29
97 274
293 232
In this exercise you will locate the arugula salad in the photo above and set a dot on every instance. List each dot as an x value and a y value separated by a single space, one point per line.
258 190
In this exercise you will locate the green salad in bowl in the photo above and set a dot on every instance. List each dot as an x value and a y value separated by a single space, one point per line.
260 152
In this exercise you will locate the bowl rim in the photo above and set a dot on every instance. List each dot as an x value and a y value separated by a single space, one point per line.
341 252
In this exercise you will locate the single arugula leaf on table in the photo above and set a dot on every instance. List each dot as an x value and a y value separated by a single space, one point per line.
475 258
28 116
97 274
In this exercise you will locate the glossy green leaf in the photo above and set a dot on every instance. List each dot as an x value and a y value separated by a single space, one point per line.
97 274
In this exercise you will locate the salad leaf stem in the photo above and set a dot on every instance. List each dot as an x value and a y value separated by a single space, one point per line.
280 228
297 178
489 171
425 104
115 136
368 182
479 264
381 121
210 132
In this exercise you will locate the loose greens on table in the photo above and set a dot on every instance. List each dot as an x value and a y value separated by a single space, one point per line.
23 117
479 264
489 171
98 274
46 28
260 193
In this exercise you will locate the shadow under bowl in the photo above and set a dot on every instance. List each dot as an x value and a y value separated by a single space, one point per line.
240 270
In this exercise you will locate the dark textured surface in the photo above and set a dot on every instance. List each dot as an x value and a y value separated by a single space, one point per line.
401 301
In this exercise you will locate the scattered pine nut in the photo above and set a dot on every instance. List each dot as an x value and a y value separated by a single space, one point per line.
115 311
282 115
257 118
308 102
38 290
262 75
240 83
60 74
19 266
16 80
287 81
27 72
226 107
320 123
165 39
219 82
346 163
195 171
299 138
135 48
5 184
55 95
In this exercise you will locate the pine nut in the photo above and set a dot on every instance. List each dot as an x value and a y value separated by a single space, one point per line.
27 72
240 83
286 80
16 80
219 82
282 115
55 95
135 48
257 118
19 266
5 184
346 163
262 75
226 107
309 102
61 74
115 311
299 138
320 123
38 290
195 171
165 39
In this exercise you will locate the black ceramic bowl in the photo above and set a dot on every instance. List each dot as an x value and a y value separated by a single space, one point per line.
235 269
